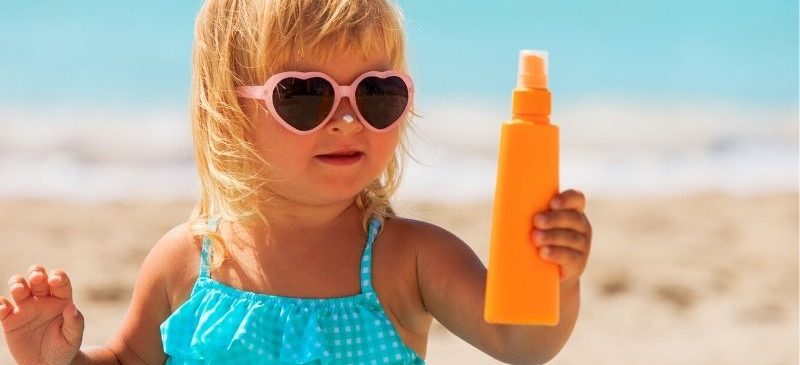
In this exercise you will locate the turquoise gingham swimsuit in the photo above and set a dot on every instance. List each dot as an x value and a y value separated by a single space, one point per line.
220 324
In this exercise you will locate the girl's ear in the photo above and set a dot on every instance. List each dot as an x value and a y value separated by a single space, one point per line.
251 108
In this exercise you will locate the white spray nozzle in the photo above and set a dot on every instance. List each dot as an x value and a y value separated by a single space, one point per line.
532 69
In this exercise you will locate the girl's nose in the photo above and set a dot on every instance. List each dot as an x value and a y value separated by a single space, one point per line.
344 120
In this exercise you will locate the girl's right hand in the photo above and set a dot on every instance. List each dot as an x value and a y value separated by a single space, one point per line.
45 327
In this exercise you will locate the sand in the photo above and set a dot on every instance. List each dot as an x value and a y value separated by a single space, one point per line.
704 278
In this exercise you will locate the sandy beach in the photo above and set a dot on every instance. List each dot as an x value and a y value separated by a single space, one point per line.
705 278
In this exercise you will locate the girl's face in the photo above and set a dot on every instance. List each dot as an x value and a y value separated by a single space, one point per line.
306 168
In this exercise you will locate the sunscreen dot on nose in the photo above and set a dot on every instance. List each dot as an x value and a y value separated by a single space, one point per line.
347 118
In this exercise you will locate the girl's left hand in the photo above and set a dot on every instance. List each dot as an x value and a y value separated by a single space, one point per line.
564 234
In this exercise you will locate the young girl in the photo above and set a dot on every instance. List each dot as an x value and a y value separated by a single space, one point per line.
293 254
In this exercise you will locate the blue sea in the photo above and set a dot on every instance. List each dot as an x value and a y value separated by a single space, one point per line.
650 97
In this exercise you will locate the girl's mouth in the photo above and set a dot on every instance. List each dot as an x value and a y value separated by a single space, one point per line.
341 158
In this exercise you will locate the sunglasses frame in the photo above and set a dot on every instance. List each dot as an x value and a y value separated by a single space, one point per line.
264 93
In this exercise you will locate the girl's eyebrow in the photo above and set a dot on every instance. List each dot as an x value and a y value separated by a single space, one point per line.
382 65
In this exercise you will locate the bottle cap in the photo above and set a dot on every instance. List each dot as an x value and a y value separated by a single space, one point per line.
532 69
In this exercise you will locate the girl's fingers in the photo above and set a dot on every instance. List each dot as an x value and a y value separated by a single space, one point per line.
568 259
566 219
562 238
6 308
60 285
569 199
37 277
19 289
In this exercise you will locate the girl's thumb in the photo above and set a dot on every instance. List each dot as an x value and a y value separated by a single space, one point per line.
72 329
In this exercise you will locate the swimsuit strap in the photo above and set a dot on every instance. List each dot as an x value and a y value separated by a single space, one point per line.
366 257
205 256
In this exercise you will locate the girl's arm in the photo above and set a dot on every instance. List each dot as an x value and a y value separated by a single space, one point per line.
452 282
548 340
138 340
95 355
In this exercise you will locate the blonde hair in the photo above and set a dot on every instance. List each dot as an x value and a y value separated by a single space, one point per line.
242 42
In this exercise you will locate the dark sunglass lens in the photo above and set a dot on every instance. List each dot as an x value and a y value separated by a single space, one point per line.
303 104
382 101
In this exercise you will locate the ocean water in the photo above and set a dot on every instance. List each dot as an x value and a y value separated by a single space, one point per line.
650 97
90 53
619 148
608 148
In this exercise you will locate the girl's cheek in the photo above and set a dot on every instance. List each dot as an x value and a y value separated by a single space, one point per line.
388 144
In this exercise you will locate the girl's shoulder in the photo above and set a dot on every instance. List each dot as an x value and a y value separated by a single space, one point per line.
450 280
410 244
159 285
414 239
415 232
412 258
396 253
177 255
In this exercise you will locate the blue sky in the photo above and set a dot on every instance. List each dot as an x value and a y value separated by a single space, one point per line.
137 53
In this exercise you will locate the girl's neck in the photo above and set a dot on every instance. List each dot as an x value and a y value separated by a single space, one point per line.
291 222
297 216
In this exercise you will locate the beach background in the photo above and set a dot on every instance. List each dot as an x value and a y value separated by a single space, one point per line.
679 120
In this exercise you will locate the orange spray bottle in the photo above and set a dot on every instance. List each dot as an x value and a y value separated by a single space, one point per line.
522 288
